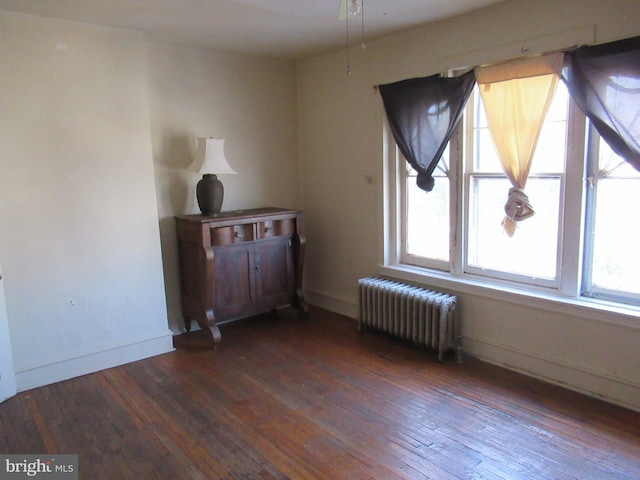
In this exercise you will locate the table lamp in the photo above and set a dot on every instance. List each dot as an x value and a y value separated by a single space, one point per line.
210 162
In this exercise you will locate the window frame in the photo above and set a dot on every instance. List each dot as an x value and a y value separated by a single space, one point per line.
405 256
588 288
571 238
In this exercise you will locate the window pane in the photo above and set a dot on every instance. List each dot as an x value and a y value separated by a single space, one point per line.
428 219
532 251
615 238
616 242
485 157
551 147
612 165
550 150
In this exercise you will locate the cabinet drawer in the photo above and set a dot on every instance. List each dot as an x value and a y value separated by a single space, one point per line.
275 228
232 234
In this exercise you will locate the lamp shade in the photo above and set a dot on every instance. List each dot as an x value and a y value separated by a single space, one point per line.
210 157
210 161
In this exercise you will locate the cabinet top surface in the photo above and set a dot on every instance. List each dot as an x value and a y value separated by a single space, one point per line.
237 214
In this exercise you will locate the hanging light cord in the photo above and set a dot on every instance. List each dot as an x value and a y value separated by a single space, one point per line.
347 14
346 11
362 18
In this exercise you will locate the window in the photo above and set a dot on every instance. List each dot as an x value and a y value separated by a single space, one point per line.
611 260
582 239
427 228
533 250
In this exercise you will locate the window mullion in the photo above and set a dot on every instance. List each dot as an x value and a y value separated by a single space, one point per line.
392 205
572 218
456 178
591 183
466 152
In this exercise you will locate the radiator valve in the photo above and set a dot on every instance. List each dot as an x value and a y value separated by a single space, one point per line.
459 355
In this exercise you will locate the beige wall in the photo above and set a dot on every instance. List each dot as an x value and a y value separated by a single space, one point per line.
7 370
79 239
341 143
98 128
248 101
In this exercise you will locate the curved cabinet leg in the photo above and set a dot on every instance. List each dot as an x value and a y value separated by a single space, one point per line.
213 329
300 304
215 335
298 242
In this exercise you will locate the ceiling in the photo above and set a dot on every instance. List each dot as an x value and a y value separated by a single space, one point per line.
289 29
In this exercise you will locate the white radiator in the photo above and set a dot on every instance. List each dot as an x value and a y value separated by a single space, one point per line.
424 317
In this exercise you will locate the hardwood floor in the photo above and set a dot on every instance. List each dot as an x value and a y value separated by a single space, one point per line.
313 399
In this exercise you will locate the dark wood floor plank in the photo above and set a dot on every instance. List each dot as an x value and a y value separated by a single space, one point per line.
20 429
248 436
141 405
222 444
283 398
49 443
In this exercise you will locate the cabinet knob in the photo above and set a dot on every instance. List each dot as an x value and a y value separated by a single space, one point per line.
257 267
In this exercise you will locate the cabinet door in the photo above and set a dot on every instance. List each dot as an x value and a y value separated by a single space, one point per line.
234 280
274 272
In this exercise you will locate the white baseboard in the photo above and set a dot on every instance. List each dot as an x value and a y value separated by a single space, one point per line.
93 362
619 391
334 303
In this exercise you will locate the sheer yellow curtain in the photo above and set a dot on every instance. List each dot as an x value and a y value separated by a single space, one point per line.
516 96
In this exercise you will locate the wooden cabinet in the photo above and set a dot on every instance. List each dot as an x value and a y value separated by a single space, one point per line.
238 264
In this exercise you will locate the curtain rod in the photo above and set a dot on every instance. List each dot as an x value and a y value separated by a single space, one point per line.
463 70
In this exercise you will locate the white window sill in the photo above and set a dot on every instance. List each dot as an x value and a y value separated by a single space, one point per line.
598 310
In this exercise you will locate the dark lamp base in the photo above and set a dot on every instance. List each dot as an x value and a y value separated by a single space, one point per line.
210 194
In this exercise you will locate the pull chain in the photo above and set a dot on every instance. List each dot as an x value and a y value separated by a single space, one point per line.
346 7
364 46
357 9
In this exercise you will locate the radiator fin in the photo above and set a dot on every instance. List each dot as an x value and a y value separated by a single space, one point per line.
425 317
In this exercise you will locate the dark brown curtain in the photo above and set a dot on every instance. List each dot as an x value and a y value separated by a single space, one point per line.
422 114
604 80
